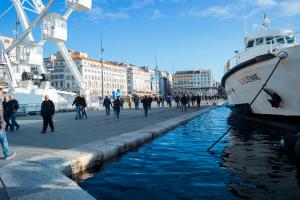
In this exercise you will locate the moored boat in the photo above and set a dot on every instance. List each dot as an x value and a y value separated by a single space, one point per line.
264 51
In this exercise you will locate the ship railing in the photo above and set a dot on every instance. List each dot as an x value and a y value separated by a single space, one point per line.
244 55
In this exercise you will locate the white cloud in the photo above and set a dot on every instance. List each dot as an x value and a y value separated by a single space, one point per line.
290 7
266 3
97 13
224 12
138 4
156 15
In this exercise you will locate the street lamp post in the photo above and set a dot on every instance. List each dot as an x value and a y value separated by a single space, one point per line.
102 66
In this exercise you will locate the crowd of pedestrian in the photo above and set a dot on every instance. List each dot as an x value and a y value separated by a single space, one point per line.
80 106
6 116
9 107
184 101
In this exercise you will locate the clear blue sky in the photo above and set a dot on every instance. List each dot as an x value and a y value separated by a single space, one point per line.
186 34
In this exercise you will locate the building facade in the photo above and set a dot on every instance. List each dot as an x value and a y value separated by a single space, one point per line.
113 74
104 79
139 81
165 83
193 82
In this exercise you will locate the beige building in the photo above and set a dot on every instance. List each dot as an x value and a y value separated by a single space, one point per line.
139 81
92 71
193 82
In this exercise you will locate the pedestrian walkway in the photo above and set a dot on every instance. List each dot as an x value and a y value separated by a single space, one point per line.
69 133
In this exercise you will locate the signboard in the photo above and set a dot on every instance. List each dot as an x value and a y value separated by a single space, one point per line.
116 93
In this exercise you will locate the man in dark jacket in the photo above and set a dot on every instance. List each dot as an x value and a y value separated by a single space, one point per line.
83 108
6 112
78 103
117 106
177 100
107 104
47 111
198 101
183 102
13 108
146 102
150 99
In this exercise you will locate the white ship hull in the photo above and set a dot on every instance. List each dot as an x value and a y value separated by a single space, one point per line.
242 84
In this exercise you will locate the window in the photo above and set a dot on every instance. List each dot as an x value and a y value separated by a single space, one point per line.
7 41
250 43
290 39
280 39
259 41
270 40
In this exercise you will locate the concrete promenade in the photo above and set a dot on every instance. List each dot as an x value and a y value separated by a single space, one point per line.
42 160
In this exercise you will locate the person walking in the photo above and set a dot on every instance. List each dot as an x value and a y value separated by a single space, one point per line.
198 100
47 111
188 98
83 107
6 113
158 101
3 139
117 104
13 108
183 101
107 104
169 99
129 103
193 99
150 99
77 102
177 100
146 101
136 103
122 102
163 101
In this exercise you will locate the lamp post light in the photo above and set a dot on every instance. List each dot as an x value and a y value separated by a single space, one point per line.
102 68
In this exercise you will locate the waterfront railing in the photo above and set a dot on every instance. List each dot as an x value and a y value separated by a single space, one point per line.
35 108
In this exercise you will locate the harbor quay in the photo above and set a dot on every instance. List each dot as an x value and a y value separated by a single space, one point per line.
44 162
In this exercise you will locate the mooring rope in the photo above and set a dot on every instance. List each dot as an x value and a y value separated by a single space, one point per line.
246 110
4 188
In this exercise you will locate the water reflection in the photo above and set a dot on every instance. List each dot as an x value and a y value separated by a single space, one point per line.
253 156
174 166
245 164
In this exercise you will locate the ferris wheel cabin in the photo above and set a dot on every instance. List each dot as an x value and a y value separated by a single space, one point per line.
79 5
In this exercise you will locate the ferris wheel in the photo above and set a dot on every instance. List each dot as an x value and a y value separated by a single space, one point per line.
54 29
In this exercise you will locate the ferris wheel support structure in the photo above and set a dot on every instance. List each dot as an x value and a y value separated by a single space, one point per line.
54 29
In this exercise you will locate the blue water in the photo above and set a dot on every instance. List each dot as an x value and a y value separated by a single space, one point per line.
177 165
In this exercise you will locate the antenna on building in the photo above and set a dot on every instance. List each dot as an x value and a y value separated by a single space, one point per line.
173 69
266 23
155 60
